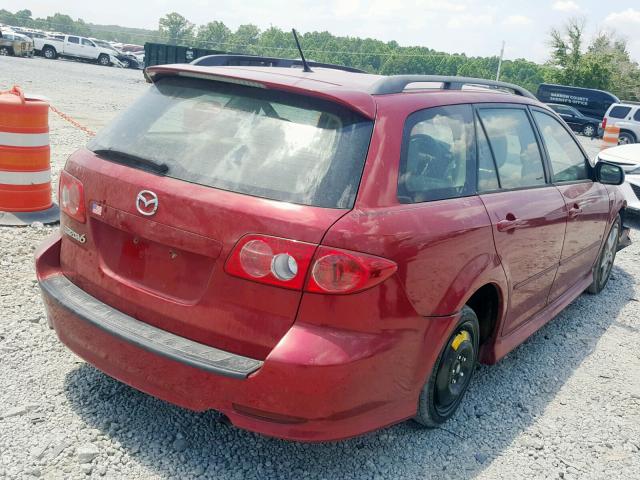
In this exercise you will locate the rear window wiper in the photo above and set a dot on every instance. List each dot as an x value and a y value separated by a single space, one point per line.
124 157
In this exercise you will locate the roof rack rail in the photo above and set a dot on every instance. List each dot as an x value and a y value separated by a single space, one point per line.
398 84
629 102
258 61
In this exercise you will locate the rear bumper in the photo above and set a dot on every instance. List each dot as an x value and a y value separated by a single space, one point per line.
78 303
317 384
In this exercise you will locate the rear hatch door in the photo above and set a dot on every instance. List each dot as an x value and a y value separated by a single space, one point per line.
185 173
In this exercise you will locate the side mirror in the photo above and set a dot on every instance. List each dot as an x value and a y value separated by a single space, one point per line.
609 174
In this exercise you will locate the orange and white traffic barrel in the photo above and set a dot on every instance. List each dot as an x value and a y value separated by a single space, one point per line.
25 168
611 137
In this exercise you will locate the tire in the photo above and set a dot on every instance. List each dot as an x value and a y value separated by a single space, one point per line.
448 382
5 51
50 53
589 130
626 138
104 60
604 264
126 63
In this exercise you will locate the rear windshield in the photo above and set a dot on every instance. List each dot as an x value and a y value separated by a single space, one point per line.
249 140
619 112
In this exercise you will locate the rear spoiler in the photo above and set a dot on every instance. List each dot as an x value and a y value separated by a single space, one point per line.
358 101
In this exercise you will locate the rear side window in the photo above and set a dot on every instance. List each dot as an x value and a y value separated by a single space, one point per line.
619 112
563 110
514 147
567 160
249 140
636 117
437 155
74 40
487 175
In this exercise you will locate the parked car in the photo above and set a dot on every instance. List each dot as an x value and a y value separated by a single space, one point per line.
590 102
128 60
319 254
12 43
139 58
627 157
625 115
72 46
29 32
580 123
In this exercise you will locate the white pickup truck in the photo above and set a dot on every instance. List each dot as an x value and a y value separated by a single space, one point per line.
73 46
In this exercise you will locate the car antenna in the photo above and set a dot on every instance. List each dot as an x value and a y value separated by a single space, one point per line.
305 65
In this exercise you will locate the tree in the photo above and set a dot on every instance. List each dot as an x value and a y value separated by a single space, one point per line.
213 35
566 51
276 43
625 71
604 64
61 23
23 18
245 37
175 29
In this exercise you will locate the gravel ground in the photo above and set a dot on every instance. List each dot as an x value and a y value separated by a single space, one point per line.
565 404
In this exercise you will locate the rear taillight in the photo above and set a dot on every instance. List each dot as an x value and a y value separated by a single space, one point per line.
604 123
71 195
286 263
341 271
272 260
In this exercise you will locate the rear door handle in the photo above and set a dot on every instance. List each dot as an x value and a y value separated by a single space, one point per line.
574 211
509 224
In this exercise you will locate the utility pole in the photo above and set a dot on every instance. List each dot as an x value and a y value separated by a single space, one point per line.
500 62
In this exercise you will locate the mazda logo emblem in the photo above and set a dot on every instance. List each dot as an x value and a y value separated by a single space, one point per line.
147 203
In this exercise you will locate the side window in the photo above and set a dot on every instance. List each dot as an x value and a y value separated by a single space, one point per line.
74 40
636 117
567 160
487 175
619 112
437 155
87 42
514 147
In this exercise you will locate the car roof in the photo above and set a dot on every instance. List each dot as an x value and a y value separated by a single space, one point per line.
625 104
353 90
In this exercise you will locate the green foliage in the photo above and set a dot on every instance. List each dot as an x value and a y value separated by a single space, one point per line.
213 32
175 29
604 63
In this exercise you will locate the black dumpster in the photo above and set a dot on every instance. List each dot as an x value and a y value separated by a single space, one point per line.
161 54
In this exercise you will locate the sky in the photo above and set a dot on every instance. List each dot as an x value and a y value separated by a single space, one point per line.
474 27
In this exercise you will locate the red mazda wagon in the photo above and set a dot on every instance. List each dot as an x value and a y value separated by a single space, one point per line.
321 254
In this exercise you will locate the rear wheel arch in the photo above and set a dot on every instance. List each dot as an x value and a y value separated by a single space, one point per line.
487 302
50 48
622 213
630 133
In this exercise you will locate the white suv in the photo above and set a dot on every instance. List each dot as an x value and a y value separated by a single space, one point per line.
625 115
